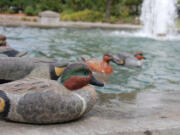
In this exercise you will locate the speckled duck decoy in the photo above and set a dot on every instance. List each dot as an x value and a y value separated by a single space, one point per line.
43 101
14 68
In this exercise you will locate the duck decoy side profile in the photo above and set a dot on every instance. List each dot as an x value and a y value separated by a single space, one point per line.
102 66
5 49
15 68
129 60
43 101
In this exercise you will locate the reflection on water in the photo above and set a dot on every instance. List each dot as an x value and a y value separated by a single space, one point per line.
160 71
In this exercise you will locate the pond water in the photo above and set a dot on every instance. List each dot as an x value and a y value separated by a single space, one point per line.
161 69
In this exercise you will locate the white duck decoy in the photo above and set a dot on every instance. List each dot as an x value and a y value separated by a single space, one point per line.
129 60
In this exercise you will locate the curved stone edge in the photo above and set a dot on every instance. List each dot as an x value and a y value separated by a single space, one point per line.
86 127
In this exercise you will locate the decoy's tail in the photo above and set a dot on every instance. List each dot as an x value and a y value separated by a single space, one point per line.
82 59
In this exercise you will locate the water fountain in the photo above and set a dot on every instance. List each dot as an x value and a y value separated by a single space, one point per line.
158 17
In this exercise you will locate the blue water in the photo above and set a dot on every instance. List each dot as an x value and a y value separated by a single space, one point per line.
161 70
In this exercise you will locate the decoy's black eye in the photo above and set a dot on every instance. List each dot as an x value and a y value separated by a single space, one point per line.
86 72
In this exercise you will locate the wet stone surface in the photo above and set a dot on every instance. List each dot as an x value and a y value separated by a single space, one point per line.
144 113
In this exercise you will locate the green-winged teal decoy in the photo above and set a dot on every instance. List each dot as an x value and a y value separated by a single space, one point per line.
101 66
129 60
43 101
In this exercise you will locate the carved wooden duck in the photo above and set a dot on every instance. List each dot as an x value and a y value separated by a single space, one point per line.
101 66
129 60
14 68
44 101
5 48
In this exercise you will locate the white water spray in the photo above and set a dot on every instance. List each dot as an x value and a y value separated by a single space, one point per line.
158 17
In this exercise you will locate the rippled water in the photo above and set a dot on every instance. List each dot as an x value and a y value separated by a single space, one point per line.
161 70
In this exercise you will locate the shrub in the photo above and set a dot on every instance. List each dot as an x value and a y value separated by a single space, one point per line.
25 19
132 2
29 19
113 19
128 20
37 11
29 11
9 11
85 15
124 11
34 20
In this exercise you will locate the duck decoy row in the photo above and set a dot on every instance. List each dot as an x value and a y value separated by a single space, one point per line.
122 59
44 92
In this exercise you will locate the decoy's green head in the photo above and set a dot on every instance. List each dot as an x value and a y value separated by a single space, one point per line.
78 75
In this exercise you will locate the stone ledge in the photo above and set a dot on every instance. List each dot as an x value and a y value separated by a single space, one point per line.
62 24
152 113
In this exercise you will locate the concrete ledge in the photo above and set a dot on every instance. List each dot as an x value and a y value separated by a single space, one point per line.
62 24
148 113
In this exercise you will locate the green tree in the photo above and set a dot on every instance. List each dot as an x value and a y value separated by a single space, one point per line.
133 5
132 2
54 5
18 5
108 10
5 4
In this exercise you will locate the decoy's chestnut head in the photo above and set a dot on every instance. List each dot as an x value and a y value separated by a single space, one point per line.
108 57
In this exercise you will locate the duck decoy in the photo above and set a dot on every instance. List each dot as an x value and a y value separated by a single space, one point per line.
10 52
5 48
101 66
15 68
129 60
3 40
43 101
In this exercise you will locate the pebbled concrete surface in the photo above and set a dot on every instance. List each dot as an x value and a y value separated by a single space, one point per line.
142 113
